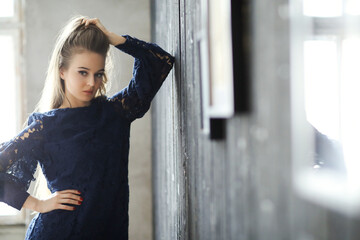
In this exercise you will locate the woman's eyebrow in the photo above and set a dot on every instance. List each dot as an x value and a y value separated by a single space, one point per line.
101 70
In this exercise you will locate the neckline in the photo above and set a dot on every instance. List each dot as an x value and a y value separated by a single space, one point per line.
71 109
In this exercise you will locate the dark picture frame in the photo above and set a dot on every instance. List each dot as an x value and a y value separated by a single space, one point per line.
224 47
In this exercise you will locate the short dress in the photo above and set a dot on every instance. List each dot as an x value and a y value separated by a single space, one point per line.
85 148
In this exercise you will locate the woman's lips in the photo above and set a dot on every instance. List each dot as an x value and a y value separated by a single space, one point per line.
88 92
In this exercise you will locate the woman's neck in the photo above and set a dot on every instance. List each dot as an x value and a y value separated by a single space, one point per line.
67 104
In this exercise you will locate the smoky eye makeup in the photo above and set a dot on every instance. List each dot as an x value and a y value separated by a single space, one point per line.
83 73
100 74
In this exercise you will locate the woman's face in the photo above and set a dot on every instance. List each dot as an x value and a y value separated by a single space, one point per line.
83 77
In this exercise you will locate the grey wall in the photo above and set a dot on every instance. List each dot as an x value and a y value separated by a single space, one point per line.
239 187
43 20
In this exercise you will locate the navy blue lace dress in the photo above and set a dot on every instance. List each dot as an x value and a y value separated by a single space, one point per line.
85 148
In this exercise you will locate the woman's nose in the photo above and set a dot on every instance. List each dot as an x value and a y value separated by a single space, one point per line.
91 81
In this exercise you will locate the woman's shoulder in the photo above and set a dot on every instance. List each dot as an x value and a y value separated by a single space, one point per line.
34 117
56 112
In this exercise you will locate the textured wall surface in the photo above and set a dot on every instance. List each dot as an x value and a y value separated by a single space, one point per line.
239 187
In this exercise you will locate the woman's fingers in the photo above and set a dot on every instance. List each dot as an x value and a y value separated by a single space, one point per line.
95 21
88 21
69 201
69 196
66 207
70 191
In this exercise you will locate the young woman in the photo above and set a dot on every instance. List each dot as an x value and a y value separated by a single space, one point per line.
81 140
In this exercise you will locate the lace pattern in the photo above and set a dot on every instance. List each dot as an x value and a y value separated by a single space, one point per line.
151 67
18 157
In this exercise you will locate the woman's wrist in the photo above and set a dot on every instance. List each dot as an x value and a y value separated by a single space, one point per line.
115 39
32 204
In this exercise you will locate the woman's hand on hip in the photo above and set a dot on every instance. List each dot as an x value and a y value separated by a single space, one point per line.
58 200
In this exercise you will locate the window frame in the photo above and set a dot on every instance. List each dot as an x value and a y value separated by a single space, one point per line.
14 27
314 187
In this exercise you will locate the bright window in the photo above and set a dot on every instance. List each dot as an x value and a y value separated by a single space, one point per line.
7 8
321 86
10 102
325 55
353 7
8 126
323 8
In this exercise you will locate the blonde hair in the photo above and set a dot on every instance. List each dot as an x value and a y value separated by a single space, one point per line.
72 39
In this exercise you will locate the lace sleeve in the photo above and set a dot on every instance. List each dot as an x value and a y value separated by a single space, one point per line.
151 67
18 162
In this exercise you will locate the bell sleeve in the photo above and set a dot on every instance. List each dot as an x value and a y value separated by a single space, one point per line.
18 162
151 66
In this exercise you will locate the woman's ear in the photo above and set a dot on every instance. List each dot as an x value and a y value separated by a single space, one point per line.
62 75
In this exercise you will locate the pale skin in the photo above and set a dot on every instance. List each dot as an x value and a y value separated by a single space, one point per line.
82 80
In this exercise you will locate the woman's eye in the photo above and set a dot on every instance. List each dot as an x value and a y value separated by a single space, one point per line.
83 73
99 75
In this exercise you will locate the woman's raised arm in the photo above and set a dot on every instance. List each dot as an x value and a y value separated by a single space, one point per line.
151 66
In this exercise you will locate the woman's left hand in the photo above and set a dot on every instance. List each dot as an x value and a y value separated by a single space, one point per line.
113 38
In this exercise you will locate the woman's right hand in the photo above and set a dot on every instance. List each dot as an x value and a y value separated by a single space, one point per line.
114 39
57 200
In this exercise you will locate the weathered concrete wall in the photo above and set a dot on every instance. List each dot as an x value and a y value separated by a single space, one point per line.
239 187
